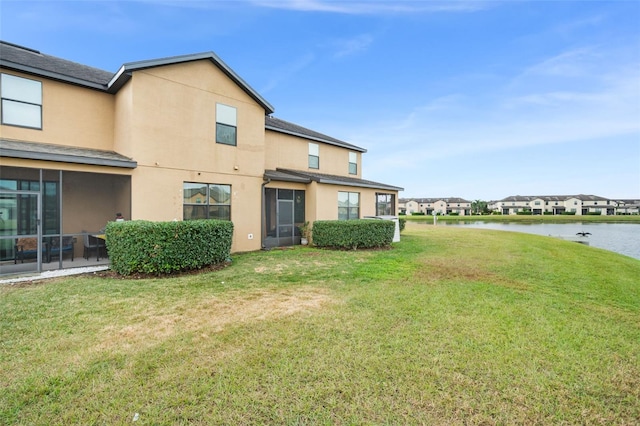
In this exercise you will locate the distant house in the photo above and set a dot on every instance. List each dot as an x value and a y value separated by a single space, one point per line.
438 206
563 204
165 139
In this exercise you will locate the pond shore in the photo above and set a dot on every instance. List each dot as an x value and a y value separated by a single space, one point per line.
530 218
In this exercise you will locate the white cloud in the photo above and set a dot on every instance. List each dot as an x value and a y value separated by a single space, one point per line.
606 104
347 47
373 6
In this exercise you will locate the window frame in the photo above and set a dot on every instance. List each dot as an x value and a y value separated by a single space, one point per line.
388 206
353 165
349 207
8 99
226 120
314 156
207 201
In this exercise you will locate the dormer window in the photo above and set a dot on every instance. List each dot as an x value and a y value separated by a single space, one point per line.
314 156
353 163
226 125
21 101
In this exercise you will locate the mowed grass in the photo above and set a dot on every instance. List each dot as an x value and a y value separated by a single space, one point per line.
451 326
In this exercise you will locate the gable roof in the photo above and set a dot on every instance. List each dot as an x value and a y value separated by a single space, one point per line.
282 126
288 175
33 62
124 73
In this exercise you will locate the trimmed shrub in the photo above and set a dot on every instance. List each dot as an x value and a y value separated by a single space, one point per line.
454 214
401 223
158 248
569 213
353 234
417 214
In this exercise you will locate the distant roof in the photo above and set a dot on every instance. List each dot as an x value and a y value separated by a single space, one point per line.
435 200
282 126
66 154
581 197
288 175
31 61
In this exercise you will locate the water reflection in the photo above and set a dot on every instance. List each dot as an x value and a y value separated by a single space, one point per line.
623 238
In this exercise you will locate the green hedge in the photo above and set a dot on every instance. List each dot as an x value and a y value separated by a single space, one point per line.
164 247
353 234
402 222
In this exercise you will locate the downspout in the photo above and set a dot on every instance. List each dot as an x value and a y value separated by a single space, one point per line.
262 214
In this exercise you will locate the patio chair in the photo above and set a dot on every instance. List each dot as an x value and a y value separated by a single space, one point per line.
57 249
90 243
27 248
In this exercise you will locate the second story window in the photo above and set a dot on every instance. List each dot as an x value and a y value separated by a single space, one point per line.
314 156
226 127
353 163
21 101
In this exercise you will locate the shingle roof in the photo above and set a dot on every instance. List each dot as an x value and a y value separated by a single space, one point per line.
286 174
66 154
447 200
581 197
282 126
33 62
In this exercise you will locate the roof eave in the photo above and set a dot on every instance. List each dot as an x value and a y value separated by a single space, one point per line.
65 158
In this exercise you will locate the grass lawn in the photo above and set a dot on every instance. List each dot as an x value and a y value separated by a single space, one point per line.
451 326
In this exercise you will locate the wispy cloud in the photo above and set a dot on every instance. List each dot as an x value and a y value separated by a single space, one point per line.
348 47
373 7
605 105
285 72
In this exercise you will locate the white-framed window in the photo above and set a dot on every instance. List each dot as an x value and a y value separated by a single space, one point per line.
348 205
21 101
226 125
314 156
353 163
206 201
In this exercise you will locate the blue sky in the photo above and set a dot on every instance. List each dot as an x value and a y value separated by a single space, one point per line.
473 99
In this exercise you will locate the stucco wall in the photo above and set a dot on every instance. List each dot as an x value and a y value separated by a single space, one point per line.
64 106
291 152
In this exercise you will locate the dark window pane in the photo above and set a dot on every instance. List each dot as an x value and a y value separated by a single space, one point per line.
285 194
220 212
225 134
191 212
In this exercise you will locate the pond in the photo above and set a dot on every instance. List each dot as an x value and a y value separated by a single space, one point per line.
623 238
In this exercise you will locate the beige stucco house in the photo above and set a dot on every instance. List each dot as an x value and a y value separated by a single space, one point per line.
166 139
560 204
436 206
